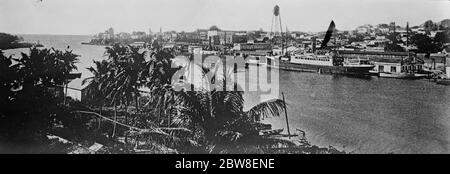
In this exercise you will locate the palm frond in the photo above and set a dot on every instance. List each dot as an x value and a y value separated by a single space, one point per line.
87 80
266 109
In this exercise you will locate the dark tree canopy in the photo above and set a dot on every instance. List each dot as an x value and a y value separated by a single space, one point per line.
214 28
442 37
430 26
29 107
6 40
425 44
393 48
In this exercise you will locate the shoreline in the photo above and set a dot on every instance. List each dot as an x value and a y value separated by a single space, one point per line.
21 45
298 139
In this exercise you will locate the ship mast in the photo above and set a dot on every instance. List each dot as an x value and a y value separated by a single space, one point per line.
407 36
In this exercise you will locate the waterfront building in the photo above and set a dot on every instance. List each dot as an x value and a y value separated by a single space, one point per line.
388 65
203 34
138 35
446 53
195 49
374 49
277 51
409 65
252 46
229 38
388 62
446 50
254 49
384 30
124 36
373 55
110 33
139 44
292 49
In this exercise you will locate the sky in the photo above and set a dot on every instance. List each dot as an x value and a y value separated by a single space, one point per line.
93 16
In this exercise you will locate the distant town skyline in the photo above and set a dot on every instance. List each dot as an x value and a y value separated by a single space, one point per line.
87 17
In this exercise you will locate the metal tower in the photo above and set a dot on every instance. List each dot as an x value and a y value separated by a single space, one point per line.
276 29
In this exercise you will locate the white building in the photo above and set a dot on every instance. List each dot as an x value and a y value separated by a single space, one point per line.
389 67
446 52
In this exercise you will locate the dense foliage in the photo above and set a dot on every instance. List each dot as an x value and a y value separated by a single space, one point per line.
208 120
8 41
29 95
426 44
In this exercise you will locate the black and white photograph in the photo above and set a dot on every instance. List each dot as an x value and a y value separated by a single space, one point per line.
242 77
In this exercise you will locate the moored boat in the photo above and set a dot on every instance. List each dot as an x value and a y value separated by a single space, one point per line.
399 75
443 82
323 60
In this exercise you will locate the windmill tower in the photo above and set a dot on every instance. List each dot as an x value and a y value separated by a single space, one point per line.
276 29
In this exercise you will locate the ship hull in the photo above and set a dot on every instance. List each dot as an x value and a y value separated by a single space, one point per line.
443 82
358 71
402 75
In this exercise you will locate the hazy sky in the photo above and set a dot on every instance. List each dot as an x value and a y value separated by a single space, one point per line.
93 16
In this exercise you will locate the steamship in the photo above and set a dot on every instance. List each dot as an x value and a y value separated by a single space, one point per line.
322 60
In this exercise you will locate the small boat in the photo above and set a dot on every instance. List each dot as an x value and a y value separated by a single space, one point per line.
38 44
271 132
417 75
398 75
443 82
374 73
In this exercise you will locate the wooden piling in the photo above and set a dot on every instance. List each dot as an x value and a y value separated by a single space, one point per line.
285 114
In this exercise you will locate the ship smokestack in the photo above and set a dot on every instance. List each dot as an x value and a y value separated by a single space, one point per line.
328 35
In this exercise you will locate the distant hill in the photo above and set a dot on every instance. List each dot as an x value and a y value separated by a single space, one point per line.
445 23
8 41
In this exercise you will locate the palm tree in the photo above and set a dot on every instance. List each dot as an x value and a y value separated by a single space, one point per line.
120 76
217 117
31 108
99 86
7 77
221 118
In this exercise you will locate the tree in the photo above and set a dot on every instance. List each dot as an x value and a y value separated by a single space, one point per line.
99 86
430 26
357 38
214 28
425 44
216 117
7 79
391 47
442 37
383 25
128 65
31 108
444 24
7 40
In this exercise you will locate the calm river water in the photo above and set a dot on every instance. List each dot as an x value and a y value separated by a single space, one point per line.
373 115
